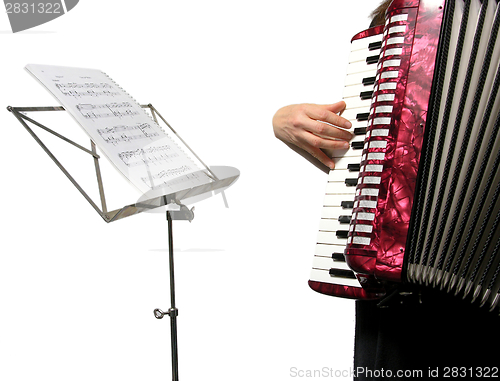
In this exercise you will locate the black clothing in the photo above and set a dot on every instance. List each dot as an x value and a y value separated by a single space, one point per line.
430 332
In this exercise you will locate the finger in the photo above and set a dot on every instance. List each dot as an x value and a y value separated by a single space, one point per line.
337 108
314 144
322 113
331 132
333 144
309 140
326 130
322 157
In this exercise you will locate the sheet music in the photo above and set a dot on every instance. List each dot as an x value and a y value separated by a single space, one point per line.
123 131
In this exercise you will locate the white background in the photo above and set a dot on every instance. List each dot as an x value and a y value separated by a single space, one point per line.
77 295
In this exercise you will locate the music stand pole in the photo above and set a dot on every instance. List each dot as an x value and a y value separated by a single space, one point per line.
172 312
180 213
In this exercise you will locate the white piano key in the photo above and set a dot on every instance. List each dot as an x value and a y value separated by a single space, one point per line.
328 263
343 162
361 55
334 212
355 90
327 250
338 189
339 160
351 112
357 78
345 153
339 175
357 102
357 124
360 67
332 225
322 275
329 238
336 199
365 42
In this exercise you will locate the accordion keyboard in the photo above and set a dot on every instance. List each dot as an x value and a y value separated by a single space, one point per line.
329 265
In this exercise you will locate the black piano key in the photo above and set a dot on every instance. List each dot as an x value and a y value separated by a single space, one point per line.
364 95
341 273
344 219
368 81
338 257
362 116
371 60
342 233
351 182
360 131
375 45
353 167
358 145
347 204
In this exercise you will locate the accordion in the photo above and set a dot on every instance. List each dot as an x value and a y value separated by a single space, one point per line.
414 200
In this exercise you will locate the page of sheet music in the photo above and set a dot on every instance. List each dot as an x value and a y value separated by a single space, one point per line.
122 130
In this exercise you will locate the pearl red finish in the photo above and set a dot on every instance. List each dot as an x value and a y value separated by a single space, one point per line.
397 124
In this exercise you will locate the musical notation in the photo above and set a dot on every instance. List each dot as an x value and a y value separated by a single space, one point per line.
128 136
126 133
87 89
173 178
150 156
106 110
167 174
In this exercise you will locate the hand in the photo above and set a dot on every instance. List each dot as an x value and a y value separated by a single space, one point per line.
313 127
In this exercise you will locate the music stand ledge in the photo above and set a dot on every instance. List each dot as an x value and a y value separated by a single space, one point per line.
222 177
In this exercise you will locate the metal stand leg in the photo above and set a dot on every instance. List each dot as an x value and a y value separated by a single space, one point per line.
182 214
172 312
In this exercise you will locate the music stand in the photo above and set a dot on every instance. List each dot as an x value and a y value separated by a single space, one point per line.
173 202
